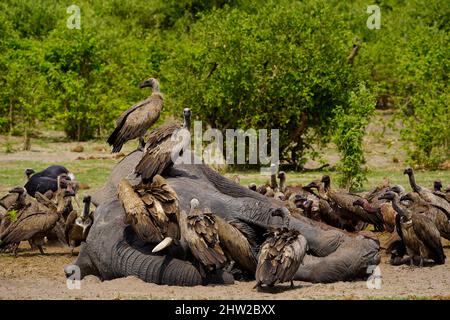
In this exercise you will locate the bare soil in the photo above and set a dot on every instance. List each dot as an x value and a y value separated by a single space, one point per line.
35 276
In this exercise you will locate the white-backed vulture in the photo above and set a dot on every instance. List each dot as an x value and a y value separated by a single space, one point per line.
135 121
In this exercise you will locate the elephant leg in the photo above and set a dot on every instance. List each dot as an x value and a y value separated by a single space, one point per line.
350 261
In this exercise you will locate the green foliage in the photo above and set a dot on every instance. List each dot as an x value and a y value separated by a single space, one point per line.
12 215
276 66
239 63
349 124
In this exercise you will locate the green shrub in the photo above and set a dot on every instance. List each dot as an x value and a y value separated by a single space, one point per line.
349 124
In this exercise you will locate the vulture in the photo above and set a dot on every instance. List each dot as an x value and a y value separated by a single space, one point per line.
34 221
29 172
14 201
235 245
163 146
152 210
426 194
77 225
418 205
47 180
437 190
280 257
141 216
418 233
343 201
200 230
134 122
331 213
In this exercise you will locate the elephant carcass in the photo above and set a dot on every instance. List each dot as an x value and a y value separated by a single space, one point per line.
334 254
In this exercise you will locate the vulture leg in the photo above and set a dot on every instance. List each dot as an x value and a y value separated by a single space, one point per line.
41 250
141 144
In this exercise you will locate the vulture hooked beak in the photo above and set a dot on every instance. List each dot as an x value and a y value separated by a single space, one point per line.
408 171
406 197
145 84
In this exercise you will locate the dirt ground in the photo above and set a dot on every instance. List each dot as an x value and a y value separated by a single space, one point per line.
35 276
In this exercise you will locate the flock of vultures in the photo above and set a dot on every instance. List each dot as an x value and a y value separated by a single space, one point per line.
43 210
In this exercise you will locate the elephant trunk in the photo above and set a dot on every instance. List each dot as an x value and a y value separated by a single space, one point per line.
128 261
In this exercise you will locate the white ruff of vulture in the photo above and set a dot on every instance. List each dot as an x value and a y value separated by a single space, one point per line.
164 144
78 224
134 122
280 257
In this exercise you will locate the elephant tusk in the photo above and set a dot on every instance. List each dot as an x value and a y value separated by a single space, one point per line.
167 241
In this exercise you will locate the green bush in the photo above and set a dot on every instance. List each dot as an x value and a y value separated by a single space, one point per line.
349 124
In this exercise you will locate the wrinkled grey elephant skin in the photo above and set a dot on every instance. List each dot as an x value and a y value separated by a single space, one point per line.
112 250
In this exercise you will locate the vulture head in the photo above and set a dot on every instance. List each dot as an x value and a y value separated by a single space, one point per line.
397 189
19 190
437 185
252 186
312 185
194 203
29 172
408 171
187 118
150 83
326 181
388 195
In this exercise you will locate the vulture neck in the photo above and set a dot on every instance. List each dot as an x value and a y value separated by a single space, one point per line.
397 207
87 205
273 181
282 184
412 182
187 123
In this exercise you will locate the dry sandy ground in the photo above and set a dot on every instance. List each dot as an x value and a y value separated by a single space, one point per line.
33 276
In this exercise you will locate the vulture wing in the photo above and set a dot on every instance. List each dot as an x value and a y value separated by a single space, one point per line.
236 244
427 232
137 215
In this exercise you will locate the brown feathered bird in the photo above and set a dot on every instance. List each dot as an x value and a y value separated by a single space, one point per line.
77 225
34 222
418 233
163 146
235 245
418 205
280 257
428 195
152 211
200 230
138 214
134 122
344 201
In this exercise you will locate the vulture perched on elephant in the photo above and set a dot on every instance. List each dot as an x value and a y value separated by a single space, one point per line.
134 122
164 145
